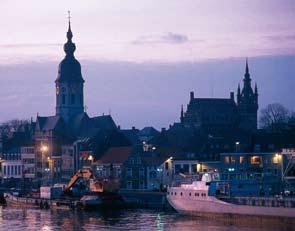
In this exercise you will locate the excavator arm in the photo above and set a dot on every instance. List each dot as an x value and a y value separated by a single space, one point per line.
83 173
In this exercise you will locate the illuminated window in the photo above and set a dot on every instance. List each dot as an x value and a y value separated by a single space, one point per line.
256 160
242 159
226 159
276 159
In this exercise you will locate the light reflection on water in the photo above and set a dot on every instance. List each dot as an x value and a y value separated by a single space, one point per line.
48 220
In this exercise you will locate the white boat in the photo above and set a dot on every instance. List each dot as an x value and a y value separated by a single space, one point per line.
198 199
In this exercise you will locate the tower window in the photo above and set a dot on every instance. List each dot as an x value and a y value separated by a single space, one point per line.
73 98
63 99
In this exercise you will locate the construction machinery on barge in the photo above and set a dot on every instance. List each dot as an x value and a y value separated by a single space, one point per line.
83 191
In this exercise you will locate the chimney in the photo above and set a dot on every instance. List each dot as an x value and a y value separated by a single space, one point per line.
192 95
163 130
133 128
119 127
232 96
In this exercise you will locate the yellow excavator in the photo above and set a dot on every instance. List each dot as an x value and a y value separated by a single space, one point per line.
105 185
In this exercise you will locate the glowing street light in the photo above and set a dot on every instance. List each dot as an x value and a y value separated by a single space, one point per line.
44 148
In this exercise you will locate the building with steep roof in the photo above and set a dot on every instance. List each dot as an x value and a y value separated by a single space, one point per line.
215 115
210 126
71 127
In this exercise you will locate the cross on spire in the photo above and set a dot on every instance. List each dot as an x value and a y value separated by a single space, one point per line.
69 15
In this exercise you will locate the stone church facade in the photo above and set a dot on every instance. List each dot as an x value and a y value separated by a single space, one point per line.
71 127
218 115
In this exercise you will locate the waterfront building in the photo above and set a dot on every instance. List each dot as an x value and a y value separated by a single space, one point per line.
11 166
143 168
110 165
67 160
253 173
28 157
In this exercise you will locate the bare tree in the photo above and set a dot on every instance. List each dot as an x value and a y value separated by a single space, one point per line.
274 116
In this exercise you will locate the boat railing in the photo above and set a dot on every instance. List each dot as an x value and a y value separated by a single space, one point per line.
262 201
181 180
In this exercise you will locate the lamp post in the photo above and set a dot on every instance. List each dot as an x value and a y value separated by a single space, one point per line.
43 149
1 172
237 146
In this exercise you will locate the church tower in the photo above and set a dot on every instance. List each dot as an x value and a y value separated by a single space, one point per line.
247 102
69 82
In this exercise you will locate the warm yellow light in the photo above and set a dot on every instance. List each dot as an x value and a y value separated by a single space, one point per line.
199 168
90 157
277 158
44 148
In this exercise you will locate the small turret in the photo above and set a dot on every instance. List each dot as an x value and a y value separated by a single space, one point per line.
239 94
181 114
192 95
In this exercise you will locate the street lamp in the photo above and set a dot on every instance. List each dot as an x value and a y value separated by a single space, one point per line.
43 148
237 146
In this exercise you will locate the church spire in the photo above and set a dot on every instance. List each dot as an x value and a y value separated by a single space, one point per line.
247 68
69 46
247 74
69 33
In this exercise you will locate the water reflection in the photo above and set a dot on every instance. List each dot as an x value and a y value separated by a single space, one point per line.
31 219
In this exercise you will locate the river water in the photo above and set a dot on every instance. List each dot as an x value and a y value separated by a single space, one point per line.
47 220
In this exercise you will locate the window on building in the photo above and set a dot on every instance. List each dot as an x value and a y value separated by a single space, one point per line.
256 159
4 170
194 168
138 160
270 147
277 158
166 165
129 171
129 184
226 159
232 159
141 185
73 98
177 168
8 170
185 168
63 99
242 159
141 172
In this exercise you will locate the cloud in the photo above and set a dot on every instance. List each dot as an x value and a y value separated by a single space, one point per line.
281 38
169 38
29 45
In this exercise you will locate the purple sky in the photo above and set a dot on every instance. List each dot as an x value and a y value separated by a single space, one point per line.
140 59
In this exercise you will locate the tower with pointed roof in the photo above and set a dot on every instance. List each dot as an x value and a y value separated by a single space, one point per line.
69 83
247 103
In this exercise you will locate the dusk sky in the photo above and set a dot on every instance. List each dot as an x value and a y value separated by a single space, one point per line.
141 58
